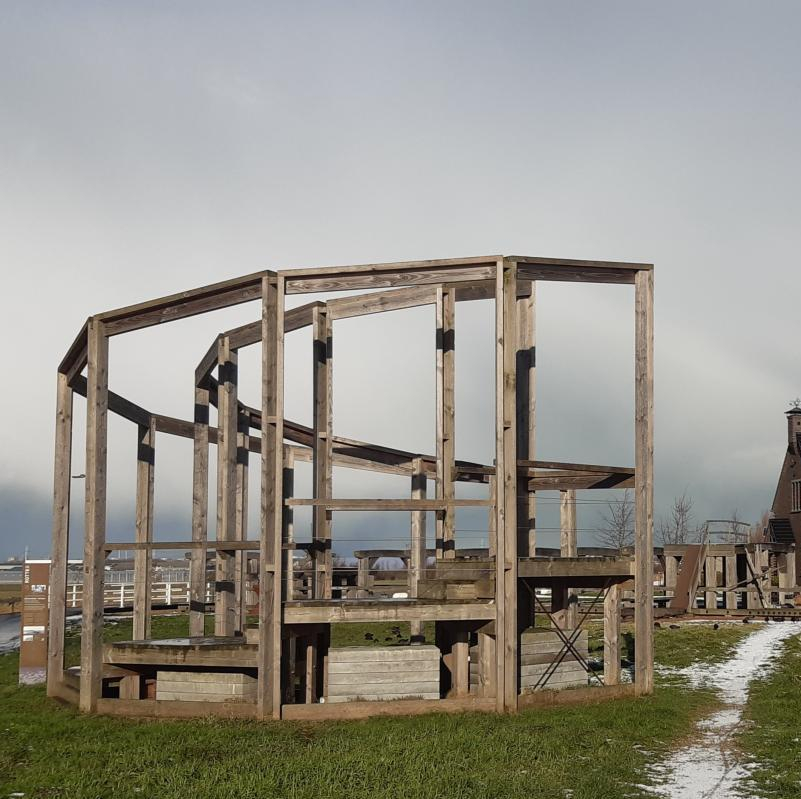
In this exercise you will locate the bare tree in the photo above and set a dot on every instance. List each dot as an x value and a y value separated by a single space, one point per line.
759 530
675 528
617 523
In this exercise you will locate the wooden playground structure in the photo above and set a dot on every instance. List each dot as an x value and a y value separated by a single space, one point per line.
485 654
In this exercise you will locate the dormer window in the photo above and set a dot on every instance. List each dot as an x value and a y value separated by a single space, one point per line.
796 496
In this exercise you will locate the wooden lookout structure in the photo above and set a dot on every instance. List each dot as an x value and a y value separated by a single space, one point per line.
276 660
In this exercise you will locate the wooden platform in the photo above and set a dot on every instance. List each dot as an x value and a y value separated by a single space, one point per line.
208 652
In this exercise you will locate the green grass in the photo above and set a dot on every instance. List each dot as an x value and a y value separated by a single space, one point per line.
772 733
693 643
597 751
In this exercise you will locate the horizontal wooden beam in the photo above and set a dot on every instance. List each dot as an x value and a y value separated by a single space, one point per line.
372 276
186 303
581 482
405 707
332 612
116 403
386 504
212 546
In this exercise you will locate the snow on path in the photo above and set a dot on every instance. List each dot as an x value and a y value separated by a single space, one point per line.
707 768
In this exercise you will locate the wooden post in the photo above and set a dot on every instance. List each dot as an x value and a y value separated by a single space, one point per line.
711 582
460 660
446 310
506 488
225 615
526 427
417 551
241 521
612 635
487 669
289 523
61 535
270 540
731 580
143 558
94 556
492 533
564 603
363 577
200 509
322 450
671 574
644 484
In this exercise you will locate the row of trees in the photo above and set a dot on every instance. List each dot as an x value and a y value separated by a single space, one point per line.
616 529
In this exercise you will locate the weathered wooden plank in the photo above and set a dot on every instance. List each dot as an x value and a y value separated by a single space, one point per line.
186 303
61 527
644 490
241 519
612 604
143 561
397 610
417 550
272 461
200 509
366 709
95 513
445 418
526 394
322 398
385 504
153 708
116 403
371 276
506 486
225 612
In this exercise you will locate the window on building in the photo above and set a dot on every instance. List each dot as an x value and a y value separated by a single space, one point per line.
796 485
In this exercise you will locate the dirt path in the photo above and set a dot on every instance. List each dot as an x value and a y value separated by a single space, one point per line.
708 768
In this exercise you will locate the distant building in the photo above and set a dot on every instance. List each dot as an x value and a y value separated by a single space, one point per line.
785 517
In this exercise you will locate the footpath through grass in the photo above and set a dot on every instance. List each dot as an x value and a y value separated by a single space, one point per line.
771 735
598 751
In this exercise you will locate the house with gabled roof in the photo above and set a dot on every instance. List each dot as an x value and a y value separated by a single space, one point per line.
784 526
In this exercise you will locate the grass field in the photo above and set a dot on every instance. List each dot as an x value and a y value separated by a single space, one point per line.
598 751
10 597
771 734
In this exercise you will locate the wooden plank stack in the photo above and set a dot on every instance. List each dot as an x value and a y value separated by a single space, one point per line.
382 673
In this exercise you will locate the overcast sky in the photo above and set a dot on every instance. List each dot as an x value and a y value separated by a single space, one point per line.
149 148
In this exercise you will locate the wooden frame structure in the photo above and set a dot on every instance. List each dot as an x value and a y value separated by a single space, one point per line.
295 630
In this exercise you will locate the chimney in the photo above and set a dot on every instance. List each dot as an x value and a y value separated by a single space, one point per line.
793 424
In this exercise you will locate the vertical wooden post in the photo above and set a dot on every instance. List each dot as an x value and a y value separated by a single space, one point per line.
322 450
143 558
289 523
526 426
487 670
94 556
417 551
731 580
460 661
671 574
225 615
612 635
200 511
61 535
270 540
506 487
567 549
492 533
644 483
241 521
446 453
363 577
711 582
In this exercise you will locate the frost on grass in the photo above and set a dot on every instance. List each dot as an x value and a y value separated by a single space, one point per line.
708 767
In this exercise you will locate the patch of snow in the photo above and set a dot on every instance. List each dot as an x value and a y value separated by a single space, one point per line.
708 768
